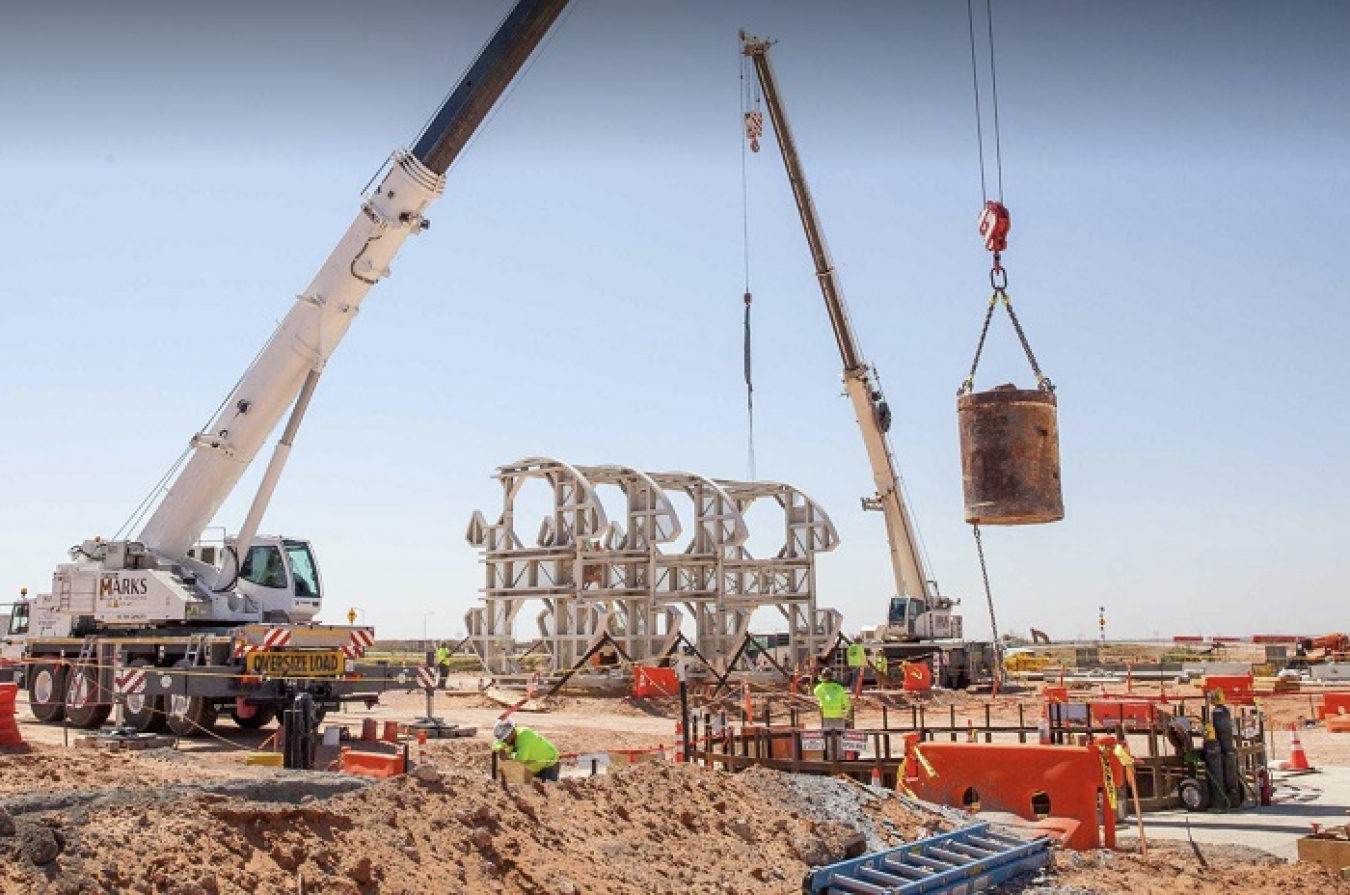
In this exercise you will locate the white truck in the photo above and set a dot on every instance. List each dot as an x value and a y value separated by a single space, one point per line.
919 621
182 628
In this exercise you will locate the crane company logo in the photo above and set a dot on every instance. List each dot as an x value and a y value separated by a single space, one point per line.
117 591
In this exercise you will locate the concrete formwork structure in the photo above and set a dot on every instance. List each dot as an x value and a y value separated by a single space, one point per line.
636 580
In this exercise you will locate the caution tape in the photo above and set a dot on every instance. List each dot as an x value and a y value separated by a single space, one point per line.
923 761
1108 778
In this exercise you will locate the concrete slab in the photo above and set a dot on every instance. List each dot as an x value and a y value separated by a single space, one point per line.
1322 797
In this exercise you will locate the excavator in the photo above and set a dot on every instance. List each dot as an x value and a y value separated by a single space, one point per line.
919 620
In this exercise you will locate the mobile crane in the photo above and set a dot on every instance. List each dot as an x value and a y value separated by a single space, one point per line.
181 627
919 620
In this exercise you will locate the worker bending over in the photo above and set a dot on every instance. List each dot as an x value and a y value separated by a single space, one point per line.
521 744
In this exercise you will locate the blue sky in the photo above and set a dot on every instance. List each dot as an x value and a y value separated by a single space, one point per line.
1178 185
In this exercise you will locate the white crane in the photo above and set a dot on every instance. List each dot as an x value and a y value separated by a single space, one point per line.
916 611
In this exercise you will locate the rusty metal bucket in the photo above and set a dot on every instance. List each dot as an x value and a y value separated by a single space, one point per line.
1010 456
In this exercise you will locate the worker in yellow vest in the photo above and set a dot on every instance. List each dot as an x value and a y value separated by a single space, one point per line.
879 666
834 707
521 744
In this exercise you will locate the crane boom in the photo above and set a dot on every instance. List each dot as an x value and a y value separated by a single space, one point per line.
870 407
284 373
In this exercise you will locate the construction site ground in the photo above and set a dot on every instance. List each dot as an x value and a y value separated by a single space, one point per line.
194 818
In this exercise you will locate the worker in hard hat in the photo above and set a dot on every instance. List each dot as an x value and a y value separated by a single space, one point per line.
834 706
521 744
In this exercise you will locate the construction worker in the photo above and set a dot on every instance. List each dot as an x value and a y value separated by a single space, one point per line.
879 665
834 706
443 664
521 744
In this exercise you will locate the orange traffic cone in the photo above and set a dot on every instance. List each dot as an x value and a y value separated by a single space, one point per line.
876 775
679 742
1298 759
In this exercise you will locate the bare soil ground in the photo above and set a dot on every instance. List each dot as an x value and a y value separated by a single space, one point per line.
196 819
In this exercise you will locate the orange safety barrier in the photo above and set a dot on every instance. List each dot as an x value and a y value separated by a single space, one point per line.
1333 704
1238 689
1055 694
918 676
1129 713
1338 723
372 764
652 681
9 727
1029 780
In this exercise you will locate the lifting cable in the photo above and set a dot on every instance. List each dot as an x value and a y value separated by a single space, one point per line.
994 224
995 220
753 119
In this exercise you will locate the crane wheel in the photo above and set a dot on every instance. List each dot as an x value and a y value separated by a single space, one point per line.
88 704
1194 794
143 712
189 716
47 691
261 717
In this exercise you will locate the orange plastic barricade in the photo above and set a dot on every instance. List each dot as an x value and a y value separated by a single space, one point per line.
1055 694
1333 704
1132 714
9 727
653 681
1029 780
1238 689
372 764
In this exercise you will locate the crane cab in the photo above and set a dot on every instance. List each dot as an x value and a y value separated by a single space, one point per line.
922 618
278 578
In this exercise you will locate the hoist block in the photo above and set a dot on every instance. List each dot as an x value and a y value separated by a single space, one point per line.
1010 456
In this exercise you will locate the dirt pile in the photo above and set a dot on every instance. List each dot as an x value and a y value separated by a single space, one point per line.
651 828
1173 867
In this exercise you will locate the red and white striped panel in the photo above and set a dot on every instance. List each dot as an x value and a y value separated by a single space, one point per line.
276 638
360 640
426 677
128 681
241 650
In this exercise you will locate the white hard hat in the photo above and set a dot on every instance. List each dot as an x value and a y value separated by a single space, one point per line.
503 728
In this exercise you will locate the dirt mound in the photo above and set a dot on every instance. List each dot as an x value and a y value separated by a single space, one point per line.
649 828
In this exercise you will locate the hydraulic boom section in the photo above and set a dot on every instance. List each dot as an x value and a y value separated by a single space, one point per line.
917 611
286 371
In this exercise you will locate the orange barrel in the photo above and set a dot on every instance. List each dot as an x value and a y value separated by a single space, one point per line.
390 732
368 730
1010 456
9 726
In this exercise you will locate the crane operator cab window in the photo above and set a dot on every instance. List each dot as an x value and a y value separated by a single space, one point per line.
904 609
303 570
263 567
18 619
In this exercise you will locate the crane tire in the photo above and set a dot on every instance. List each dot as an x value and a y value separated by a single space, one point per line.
47 691
88 704
262 716
189 716
1194 795
142 711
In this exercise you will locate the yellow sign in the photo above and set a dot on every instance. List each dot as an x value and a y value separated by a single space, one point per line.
296 664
